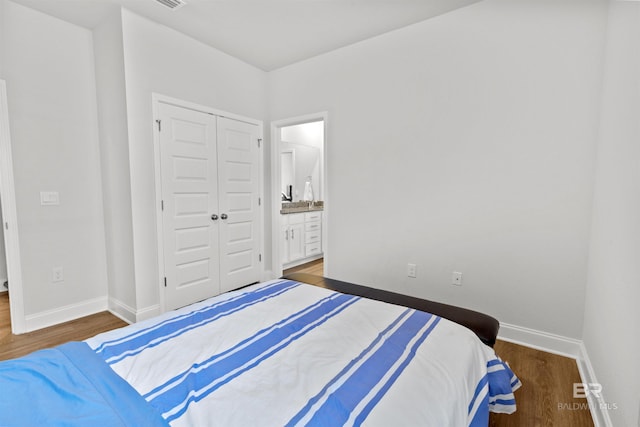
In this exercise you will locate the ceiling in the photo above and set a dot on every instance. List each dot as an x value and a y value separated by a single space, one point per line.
268 34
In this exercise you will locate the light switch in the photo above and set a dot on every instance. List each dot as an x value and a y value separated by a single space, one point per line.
49 198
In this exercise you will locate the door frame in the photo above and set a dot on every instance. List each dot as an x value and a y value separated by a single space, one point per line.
10 218
276 185
156 100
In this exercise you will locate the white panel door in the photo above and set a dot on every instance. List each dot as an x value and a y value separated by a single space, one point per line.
239 186
190 197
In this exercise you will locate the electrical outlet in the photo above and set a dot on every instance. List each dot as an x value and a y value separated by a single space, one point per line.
456 278
57 275
49 198
411 270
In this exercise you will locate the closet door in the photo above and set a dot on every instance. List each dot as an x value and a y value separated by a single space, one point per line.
190 198
239 186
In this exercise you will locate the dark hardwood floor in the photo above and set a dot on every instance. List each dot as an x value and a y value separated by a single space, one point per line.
547 379
314 267
546 392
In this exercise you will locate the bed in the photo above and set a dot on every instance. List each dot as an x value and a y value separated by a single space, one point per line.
278 353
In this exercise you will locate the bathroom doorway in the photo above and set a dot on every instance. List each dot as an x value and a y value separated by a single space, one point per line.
9 222
299 180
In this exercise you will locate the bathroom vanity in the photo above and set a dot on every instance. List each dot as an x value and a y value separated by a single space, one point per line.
301 233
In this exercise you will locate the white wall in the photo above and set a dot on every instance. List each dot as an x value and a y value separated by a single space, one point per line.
49 72
612 318
311 134
466 143
158 59
114 160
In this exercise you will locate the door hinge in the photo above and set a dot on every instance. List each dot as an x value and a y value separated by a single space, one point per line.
259 142
6 225
165 282
260 257
159 122
259 201
161 204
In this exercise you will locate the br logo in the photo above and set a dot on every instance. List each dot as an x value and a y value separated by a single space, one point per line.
582 390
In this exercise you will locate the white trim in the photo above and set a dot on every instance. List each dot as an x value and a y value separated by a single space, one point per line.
156 99
263 200
64 314
563 346
598 406
130 314
276 185
544 341
10 217
122 310
148 312
276 201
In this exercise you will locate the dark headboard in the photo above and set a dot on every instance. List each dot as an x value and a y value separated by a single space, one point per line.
484 326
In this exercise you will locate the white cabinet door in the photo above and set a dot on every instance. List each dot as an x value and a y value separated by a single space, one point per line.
190 196
284 243
301 237
239 184
296 242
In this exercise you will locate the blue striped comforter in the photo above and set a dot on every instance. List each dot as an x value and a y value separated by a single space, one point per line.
286 353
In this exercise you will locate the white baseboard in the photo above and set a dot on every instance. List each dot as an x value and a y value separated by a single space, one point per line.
64 314
148 312
545 341
563 346
86 308
122 310
599 411
130 314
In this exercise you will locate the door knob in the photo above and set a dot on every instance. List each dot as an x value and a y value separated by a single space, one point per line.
214 217
224 216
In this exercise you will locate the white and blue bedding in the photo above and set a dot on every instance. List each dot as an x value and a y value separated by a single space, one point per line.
69 386
282 353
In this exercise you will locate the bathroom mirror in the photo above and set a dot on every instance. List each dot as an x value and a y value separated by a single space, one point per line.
301 157
287 162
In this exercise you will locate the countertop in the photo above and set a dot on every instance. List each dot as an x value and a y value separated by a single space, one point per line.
299 207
